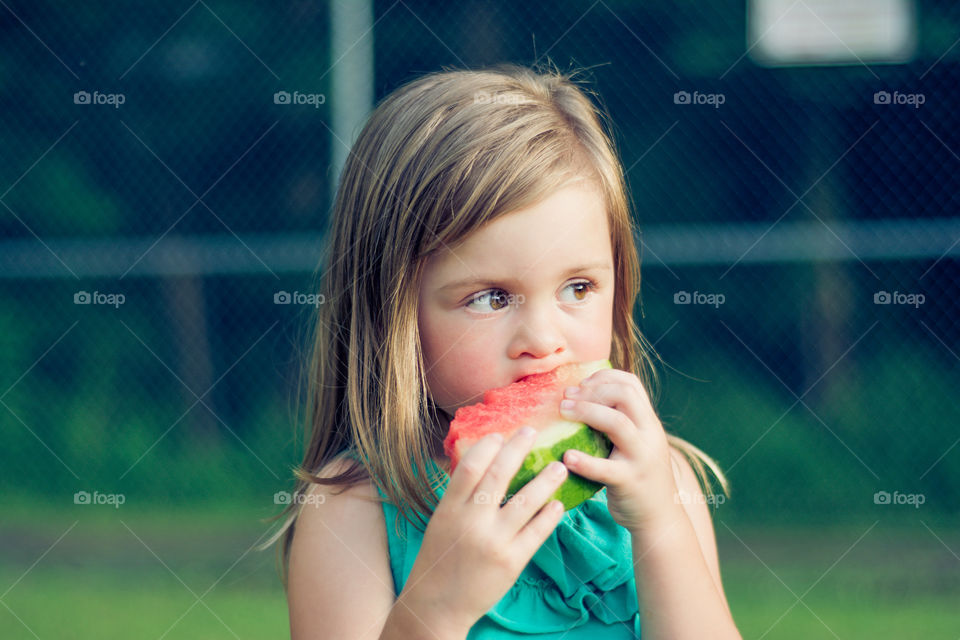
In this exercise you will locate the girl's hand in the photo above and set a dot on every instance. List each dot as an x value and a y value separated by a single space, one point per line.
473 549
641 489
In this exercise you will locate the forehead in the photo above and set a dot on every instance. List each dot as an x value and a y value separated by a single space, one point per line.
570 226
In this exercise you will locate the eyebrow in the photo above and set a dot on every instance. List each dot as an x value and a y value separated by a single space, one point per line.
597 266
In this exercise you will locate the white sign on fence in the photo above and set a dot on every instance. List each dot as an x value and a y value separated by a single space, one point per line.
823 32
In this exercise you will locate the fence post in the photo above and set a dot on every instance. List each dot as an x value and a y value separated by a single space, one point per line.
351 78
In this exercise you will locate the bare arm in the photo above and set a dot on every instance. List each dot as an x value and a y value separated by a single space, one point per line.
340 584
679 591
340 581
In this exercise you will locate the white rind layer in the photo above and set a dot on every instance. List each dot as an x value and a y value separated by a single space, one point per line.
555 432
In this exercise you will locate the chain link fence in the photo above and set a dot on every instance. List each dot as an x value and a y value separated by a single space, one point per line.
166 178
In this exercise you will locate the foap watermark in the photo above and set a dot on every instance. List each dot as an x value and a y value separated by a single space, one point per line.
285 497
112 99
910 99
313 99
912 299
709 499
482 97
913 499
697 297
86 498
97 297
485 497
508 300
285 297
712 99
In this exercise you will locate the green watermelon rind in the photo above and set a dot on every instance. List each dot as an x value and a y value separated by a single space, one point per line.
575 489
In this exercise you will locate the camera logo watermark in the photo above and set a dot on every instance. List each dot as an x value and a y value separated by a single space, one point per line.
85 498
711 299
285 297
712 99
112 299
913 499
285 497
912 299
285 97
912 99
112 99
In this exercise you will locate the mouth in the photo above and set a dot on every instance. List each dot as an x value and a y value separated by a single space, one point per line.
535 373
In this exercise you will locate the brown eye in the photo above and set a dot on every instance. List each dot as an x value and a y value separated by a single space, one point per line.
498 300
580 290
492 300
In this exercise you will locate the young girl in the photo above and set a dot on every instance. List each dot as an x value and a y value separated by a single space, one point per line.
481 233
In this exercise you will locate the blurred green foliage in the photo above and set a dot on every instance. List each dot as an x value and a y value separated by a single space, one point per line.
104 398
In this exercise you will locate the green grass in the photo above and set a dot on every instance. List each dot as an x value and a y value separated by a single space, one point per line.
63 602
896 581
124 573
118 573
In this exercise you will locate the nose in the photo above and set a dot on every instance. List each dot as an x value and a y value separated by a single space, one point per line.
538 332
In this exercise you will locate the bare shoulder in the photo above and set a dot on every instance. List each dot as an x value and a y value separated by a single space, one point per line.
340 584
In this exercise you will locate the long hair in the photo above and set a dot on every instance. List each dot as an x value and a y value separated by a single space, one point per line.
438 158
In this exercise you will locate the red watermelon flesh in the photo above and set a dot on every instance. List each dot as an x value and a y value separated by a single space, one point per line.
533 401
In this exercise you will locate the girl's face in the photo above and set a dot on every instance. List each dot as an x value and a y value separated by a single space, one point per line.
525 293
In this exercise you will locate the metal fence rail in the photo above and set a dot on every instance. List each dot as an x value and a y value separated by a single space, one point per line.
797 193
667 245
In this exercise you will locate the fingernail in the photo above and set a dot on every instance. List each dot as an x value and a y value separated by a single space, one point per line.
527 432
566 405
571 391
557 469
572 457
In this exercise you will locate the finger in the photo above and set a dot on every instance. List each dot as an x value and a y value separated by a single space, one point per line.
493 485
521 507
620 395
629 384
614 376
536 532
602 470
623 433
472 466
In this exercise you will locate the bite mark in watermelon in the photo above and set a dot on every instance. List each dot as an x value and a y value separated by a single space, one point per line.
533 401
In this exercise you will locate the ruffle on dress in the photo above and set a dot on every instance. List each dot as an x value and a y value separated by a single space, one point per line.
584 569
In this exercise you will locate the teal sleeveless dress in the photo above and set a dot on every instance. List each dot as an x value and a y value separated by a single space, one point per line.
579 585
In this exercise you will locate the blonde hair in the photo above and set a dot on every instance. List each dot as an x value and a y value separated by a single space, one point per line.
438 158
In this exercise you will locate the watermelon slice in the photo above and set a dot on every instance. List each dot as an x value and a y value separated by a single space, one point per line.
534 401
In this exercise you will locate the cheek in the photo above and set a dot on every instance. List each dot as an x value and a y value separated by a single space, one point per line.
459 361
596 344
461 376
